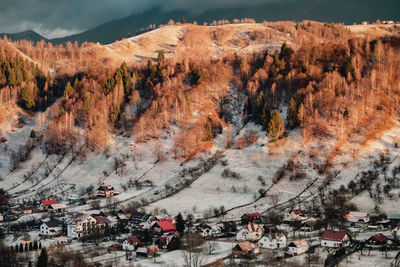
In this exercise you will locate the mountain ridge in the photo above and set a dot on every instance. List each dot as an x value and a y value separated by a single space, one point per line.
129 26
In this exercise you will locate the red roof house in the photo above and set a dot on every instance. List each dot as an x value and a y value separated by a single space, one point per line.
334 239
164 227
250 217
131 243
378 239
49 202
246 249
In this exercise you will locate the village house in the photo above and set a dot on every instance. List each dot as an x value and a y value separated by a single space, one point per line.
169 242
357 219
45 204
50 228
334 239
273 240
123 216
297 215
131 243
22 209
310 224
250 232
251 217
149 252
246 250
206 230
105 191
57 208
163 227
81 225
377 240
141 220
298 247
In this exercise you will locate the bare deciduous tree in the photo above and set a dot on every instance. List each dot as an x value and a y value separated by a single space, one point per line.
192 253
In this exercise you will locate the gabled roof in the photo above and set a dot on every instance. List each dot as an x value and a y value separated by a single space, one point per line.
252 215
153 249
298 243
101 220
51 224
58 206
246 246
105 187
333 235
133 240
78 218
254 227
140 216
49 202
380 238
394 217
355 216
275 235
166 226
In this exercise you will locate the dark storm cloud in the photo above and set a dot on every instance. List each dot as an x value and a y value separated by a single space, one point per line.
54 18
60 17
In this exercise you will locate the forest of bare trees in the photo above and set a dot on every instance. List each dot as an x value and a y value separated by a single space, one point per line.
335 84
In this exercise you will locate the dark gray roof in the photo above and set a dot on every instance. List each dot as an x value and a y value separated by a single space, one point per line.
52 223
394 216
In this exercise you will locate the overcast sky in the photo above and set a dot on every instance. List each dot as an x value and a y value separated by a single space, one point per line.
56 18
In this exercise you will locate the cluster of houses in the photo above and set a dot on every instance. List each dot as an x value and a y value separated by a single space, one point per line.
253 236
52 206
146 235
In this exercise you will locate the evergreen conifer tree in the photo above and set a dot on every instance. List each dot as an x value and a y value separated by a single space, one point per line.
43 258
275 126
68 90
292 113
265 116
180 224
26 97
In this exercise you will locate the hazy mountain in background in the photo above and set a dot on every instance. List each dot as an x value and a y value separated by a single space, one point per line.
321 10
26 35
